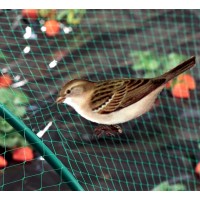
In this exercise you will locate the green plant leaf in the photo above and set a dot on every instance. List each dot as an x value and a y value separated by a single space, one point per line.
12 139
60 14
174 59
15 96
14 100
149 74
5 126
44 12
5 95
165 186
178 187
2 55
145 60
20 111
20 98
138 67
75 16
154 65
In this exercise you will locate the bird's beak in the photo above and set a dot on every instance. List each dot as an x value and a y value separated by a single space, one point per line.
60 99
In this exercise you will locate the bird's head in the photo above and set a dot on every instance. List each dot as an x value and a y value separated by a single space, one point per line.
74 90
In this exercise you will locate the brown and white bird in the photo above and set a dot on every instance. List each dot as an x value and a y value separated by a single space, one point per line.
110 102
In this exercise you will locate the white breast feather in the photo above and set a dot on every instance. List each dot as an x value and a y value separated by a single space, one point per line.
133 111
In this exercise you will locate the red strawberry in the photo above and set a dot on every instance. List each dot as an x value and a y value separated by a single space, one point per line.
180 90
188 79
5 80
197 169
30 13
3 162
52 27
23 154
168 84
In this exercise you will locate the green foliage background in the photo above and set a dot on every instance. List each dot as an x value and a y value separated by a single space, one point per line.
15 100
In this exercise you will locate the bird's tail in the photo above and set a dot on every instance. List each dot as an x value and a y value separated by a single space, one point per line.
179 69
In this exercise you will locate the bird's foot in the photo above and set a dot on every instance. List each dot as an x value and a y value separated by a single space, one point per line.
108 130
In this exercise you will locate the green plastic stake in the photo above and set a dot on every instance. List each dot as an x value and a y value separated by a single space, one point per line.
44 151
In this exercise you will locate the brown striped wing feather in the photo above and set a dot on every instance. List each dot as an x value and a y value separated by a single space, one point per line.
113 95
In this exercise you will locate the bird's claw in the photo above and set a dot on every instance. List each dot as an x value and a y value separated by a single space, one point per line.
108 130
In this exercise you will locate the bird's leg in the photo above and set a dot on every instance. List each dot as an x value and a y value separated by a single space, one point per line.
109 130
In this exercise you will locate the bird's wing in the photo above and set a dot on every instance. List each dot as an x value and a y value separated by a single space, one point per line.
113 95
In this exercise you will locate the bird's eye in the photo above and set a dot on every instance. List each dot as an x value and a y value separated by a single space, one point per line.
68 91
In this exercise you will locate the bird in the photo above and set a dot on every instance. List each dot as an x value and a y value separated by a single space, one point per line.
116 101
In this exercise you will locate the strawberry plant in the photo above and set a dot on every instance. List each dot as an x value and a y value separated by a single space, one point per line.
153 66
15 100
53 20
